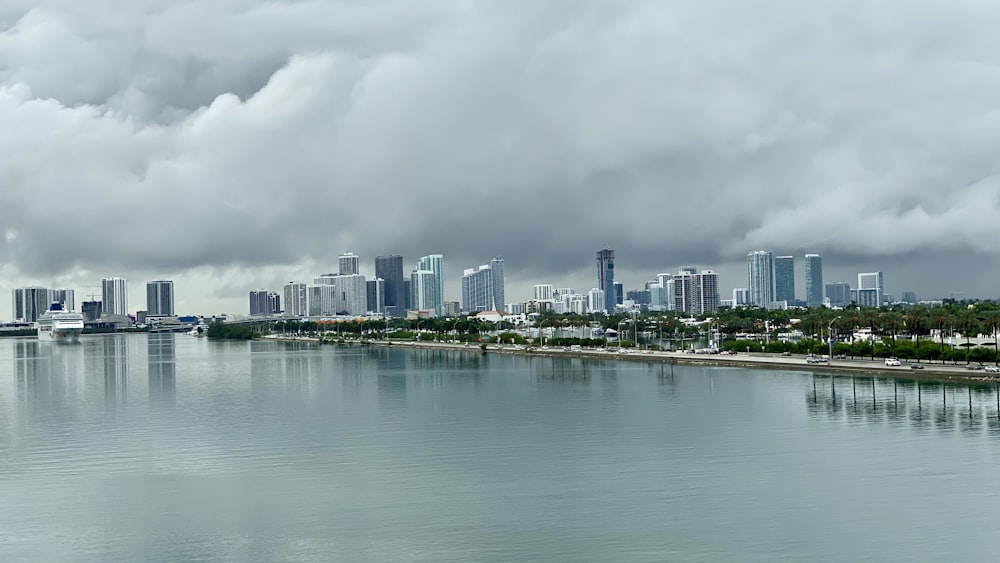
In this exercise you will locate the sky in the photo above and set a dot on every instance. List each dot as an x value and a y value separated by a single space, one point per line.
237 144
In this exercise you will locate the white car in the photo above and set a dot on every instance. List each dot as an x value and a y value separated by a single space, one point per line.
992 369
893 362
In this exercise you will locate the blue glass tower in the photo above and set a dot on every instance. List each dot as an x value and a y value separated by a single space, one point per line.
606 278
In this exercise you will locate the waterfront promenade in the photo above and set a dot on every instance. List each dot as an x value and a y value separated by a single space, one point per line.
857 366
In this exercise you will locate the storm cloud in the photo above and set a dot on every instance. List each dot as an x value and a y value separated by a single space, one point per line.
266 137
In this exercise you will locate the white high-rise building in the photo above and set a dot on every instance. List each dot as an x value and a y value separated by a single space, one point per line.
543 292
595 300
477 290
423 290
65 296
323 300
434 263
352 292
296 299
114 296
760 275
349 264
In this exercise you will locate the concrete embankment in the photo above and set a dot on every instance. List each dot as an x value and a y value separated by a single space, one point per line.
857 367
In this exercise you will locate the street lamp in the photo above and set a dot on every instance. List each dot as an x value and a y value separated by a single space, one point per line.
829 337
620 336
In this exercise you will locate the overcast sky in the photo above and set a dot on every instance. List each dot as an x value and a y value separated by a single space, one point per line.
234 144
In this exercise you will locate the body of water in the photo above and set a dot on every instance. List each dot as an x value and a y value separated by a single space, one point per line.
169 447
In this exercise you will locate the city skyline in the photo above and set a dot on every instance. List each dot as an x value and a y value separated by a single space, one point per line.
519 290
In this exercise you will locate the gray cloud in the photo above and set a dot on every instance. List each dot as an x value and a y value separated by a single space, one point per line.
260 135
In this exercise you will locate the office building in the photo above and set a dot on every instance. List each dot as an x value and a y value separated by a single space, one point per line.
376 295
606 279
638 296
160 298
838 294
452 308
543 292
784 279
814 280
433 263
760 278
349 264
423 290
296 299
908 297
390 269
114 296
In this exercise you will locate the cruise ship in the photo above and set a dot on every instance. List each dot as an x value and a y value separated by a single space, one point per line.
59 325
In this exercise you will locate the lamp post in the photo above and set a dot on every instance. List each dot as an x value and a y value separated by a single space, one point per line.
620 337
829 338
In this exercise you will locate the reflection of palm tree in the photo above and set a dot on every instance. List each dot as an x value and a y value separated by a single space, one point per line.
993 321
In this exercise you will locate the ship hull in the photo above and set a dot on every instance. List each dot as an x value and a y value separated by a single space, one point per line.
59 334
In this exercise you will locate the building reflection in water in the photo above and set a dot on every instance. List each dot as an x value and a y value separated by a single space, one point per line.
115 357
26 363
161 355
918 405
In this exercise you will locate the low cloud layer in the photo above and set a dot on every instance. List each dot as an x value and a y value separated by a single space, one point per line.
259 136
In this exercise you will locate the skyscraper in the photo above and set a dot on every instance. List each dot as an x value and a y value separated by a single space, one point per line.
30 302
695 293
160 298
376 295
871 288
423 289
114 296
838 294
322 300
433 263
258 303
349 264
352 292
606 278
496 268
760 278
784 279
477 290
814 280
542 292
390 269
296 299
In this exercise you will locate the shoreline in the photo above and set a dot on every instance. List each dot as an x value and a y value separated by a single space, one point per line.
852 367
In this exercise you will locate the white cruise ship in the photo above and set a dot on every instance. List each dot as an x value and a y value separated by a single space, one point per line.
58 325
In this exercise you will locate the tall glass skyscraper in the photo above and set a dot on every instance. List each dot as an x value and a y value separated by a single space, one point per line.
606 278
496 267
784 279
433 263
814 280
390 269
760 278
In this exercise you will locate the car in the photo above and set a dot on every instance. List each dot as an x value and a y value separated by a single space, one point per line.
840 357
992 369
786 354
892 362
974 367
810 359
916 366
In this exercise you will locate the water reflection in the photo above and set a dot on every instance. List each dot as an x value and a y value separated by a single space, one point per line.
161 357
919 405
114 351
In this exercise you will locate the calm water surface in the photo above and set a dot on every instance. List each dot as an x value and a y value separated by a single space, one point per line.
164 448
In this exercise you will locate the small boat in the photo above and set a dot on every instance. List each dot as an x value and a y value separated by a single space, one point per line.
59 325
